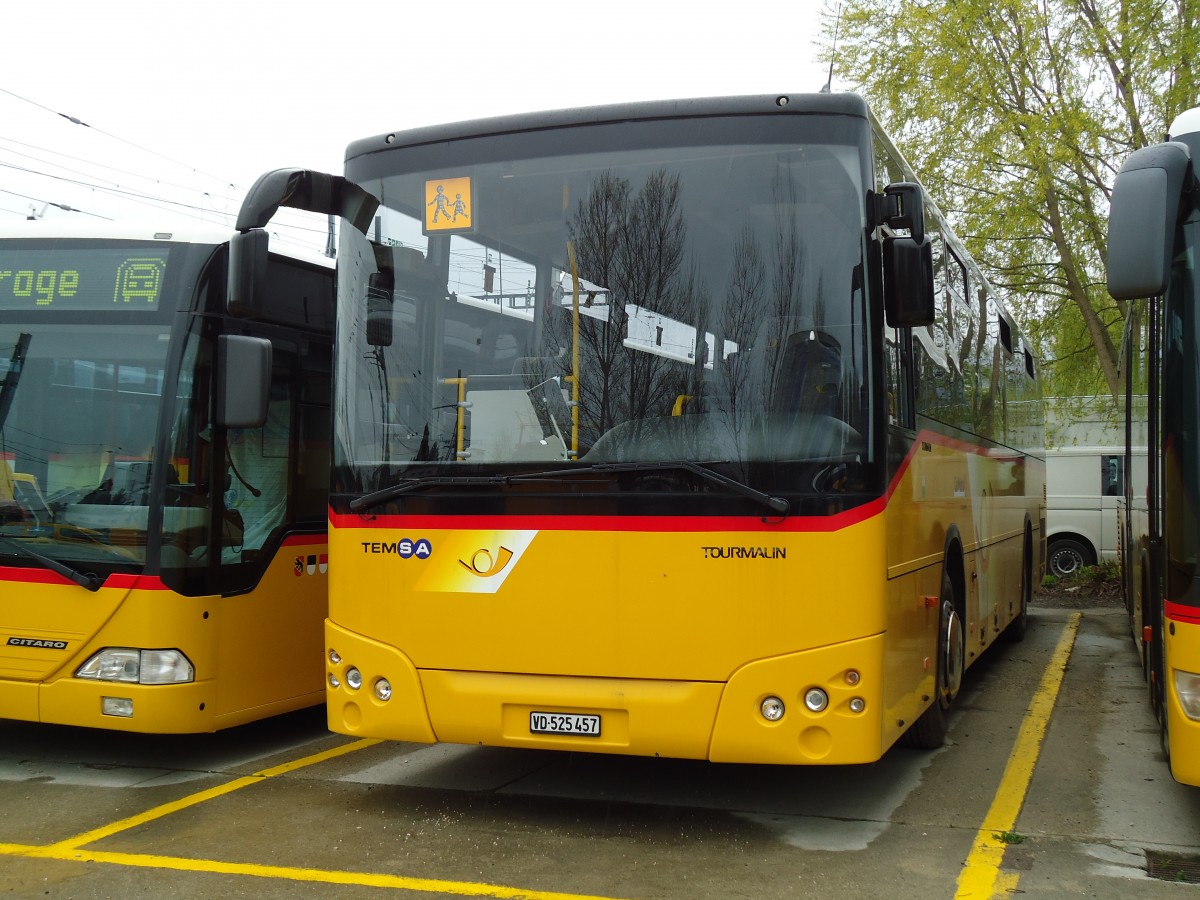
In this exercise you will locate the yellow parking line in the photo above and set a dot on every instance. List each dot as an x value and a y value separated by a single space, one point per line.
981 878
166 809
320 876
71 849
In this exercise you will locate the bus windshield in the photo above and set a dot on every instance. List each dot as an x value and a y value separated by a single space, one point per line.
78 439
642 292
83 351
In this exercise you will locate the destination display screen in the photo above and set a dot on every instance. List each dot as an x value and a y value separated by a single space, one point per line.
81 278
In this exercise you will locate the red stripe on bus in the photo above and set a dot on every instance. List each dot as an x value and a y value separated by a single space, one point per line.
1188 615
835 522
298 539
141 582
116 580
32 576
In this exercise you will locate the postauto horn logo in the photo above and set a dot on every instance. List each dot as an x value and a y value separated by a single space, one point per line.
475 562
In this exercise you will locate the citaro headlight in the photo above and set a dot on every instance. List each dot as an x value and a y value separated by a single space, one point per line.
134 666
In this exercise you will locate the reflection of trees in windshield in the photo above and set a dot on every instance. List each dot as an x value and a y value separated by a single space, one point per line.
632 244
764 373
743 312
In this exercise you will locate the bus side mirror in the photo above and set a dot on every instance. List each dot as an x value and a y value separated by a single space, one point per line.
908 299
243 381
1141 220
903 207
246 290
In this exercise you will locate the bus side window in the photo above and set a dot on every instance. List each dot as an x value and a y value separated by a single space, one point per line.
257 479
896 358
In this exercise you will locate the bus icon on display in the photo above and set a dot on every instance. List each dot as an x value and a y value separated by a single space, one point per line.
139 279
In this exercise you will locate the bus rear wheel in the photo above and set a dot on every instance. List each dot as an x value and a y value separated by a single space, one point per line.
929 731
1019 626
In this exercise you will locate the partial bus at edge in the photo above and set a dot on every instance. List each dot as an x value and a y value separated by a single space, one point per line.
163 480
679 429
1153 239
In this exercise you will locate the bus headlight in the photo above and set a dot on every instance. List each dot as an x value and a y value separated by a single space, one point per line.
772 709
134 666
1187 688
816 699
383 689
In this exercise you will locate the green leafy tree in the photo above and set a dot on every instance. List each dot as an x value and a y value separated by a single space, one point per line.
1017 116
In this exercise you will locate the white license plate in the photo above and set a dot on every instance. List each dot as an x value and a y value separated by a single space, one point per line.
564 723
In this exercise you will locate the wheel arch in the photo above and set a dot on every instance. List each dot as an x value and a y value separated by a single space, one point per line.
1034 568
955 565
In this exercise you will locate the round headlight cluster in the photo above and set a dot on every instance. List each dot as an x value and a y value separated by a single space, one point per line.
352 677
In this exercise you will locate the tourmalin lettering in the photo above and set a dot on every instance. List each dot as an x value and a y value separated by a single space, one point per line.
745 552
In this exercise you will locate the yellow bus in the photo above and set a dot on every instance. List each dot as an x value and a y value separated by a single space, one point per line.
1153 238
680 429
163 481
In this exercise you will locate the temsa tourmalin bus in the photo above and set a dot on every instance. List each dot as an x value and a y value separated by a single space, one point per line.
682 429
1153 239
163 481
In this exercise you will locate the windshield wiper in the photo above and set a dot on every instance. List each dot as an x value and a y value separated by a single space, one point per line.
8 385
90 581
776 504
408 485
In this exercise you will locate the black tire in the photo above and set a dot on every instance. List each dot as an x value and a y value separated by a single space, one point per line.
1067 556
1155 663
1156 673
1019 626
929 731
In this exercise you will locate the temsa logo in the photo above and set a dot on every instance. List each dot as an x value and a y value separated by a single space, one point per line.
482 563
405 548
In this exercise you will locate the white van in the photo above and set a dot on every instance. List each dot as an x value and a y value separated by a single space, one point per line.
1083 487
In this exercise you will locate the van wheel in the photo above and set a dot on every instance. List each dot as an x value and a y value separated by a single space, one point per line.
929 731
1068 556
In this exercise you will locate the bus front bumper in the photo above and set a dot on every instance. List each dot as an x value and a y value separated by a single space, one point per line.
374 690
158 709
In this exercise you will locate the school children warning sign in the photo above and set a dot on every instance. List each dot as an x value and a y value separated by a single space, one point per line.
449 205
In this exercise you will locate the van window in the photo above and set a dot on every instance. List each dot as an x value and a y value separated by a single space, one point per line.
1112 476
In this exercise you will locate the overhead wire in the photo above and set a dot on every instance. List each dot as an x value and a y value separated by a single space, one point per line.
182 187
287 226
77 121
46 202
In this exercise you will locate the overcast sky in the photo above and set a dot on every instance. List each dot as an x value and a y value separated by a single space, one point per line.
186 104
